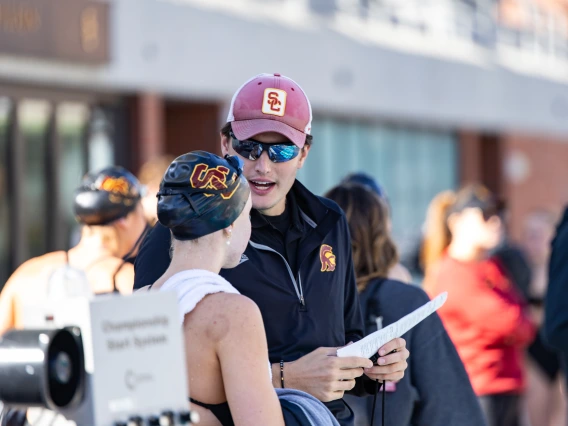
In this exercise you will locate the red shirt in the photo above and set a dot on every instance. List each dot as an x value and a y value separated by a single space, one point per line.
485 318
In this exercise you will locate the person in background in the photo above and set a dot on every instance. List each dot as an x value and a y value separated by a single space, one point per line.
526 266
485 314
536 238
545 403
150 175
512 255
107 204
556 302
436 235
436 390
397 271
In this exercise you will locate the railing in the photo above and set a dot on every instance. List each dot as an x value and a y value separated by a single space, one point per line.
519 24
526 26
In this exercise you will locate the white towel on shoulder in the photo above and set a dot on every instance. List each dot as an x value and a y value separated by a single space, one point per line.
193 285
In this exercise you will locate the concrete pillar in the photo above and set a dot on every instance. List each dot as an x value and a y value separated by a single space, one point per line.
148 134
470 158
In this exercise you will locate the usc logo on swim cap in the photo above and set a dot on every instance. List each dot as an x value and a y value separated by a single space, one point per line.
204 177
327 258
115 185
274 102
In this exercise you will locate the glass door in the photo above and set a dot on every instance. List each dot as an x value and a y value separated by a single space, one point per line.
48 141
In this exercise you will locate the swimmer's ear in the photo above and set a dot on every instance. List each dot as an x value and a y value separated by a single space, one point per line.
121 223
228 231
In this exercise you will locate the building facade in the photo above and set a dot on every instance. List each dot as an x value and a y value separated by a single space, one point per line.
423 97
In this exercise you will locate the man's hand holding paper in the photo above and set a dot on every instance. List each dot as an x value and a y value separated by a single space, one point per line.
328 377
391 365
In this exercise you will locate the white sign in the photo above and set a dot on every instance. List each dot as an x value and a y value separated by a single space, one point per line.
369 346
139 356
134 356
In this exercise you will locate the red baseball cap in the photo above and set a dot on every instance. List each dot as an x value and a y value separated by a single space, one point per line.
271 103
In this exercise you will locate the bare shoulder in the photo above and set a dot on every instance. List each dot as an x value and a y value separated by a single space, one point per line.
37 266
239 307
221 314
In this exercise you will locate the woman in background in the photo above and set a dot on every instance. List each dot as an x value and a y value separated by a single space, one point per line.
397 271
435 391
485 314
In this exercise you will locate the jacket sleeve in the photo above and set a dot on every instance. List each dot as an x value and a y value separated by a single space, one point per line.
438 374
153 258
556 313
495 310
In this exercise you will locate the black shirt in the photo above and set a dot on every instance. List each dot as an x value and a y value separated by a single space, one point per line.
283 232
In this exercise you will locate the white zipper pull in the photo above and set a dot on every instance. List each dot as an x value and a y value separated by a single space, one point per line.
379 321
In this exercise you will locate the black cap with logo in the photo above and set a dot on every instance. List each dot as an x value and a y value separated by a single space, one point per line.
106 195
201 193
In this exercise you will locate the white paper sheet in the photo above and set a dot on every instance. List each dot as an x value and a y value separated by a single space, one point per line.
369 346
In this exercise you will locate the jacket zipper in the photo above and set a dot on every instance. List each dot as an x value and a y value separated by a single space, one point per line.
297 284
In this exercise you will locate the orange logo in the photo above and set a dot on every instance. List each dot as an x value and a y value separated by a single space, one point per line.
274 102
115 185
204 177
327 258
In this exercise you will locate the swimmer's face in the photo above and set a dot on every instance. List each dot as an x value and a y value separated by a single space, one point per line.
240 236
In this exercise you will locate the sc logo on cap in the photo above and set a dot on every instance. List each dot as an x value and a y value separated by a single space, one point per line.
274 102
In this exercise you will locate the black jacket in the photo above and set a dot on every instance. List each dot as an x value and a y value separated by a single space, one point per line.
435 389
316 305
556 311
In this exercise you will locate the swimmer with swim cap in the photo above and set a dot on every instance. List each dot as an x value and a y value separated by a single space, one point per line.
107 203
205 202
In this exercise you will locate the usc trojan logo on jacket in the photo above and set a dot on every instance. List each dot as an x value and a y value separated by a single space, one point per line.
204 177
327 258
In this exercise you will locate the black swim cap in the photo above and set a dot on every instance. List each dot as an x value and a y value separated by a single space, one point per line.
106 195
201 193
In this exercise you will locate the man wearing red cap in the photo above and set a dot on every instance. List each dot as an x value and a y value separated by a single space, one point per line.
297 266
